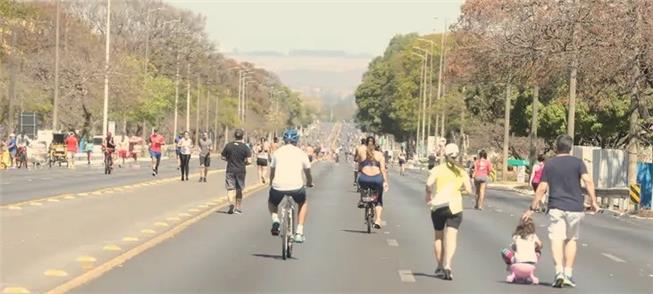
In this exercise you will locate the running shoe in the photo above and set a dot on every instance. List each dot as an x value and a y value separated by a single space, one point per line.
231 209
299 238
559 280
275 228
377 226
447 275
201 180
238 211
569 281
439 273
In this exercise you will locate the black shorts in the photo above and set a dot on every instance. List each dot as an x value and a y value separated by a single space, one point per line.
261 162
205 160
276 196
235 181
402 162
310 158
442 216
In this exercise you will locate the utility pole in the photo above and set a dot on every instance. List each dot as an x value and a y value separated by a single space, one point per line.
187 95
439 95
208 97
174 131
533 136
105 112
55 102
506 135
197 111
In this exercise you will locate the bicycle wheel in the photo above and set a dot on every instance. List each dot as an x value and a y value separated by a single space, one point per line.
291 233
368 218
284 235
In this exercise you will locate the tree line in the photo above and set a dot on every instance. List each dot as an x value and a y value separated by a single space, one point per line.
157 53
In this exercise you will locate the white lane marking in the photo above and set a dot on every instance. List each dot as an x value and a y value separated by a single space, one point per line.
392 243
406 276
614 258
584 244
387 233
651 275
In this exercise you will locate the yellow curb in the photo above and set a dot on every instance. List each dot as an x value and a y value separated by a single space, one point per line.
69 197
86 259
161 224
97 193
55 273
111 247
53 200
122 258
202 206
129 239
82 194
15 290
148 232
193 210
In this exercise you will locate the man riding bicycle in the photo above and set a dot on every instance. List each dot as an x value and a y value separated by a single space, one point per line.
288 164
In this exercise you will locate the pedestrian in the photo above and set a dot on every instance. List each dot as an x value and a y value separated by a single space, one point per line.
402 163
71 149
262 160
524 253
205 145
5 157
177 149
185 146
12 148
561 177
482 171
86 146
123 148
431 160
445 200
238 156
156 141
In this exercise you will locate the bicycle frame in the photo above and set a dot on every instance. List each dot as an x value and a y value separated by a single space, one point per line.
288 212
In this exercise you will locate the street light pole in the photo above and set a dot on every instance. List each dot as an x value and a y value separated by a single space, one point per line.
424 67
187 95
174 128
105 112
442 39
55 103
419 112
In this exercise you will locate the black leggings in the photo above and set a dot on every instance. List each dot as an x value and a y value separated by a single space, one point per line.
185 159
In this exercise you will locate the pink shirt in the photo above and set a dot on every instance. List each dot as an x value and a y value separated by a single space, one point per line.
156 142
482 168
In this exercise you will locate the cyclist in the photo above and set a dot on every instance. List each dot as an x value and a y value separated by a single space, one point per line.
108 146
288 164
22 142
358 154
373 174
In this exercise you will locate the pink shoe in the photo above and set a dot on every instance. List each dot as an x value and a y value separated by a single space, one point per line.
510 278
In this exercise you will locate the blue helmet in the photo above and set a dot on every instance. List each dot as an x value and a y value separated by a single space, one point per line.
291 136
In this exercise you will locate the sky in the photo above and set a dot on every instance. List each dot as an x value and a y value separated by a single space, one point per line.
354 26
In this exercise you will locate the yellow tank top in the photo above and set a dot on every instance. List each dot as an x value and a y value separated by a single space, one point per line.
448 183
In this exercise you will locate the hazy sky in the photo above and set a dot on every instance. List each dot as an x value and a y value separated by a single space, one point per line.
355 26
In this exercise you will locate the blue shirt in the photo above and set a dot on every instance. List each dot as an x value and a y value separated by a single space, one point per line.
11 146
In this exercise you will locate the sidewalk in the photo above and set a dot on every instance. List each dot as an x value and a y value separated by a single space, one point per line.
50 241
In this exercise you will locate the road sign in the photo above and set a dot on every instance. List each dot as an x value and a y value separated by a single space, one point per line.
635 193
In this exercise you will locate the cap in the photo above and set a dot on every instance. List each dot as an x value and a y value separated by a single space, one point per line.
451 150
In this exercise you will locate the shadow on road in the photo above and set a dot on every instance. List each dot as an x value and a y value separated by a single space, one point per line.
276 257
541 284
354 231
425 275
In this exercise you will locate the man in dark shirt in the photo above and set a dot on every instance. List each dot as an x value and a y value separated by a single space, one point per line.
561 177
238 156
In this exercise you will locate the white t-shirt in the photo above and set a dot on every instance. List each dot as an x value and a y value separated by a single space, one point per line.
525 248
289 163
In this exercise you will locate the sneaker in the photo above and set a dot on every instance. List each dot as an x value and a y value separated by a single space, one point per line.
204 180
439 273
299 238
231 209
361 204
447 275
275 228
201 180
153 173
569 281
559 280
238 211
377 226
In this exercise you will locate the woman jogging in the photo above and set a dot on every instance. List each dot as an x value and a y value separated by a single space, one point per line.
262 157
482 171
185 146
445 200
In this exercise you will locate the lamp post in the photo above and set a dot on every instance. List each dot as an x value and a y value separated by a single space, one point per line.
419 112
105 111
424 89
55 102
245 99
430 85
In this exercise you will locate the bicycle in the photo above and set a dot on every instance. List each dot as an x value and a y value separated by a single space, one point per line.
108 161
288 211
369 197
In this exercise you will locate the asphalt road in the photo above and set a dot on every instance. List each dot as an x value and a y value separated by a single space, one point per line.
17 185
236 253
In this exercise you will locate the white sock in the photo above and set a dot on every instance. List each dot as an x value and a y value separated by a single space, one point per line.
300 229
275 217
569 271
558 269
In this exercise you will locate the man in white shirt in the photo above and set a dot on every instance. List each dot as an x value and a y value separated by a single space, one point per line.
287 170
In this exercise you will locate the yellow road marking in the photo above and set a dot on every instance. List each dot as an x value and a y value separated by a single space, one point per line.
129 239
35 203
148 231
55 273
202 206
193 210
122 258
69 197
86 259
13 207
54 200
97 192
111 247
173 219
183 214
161 224
15 290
